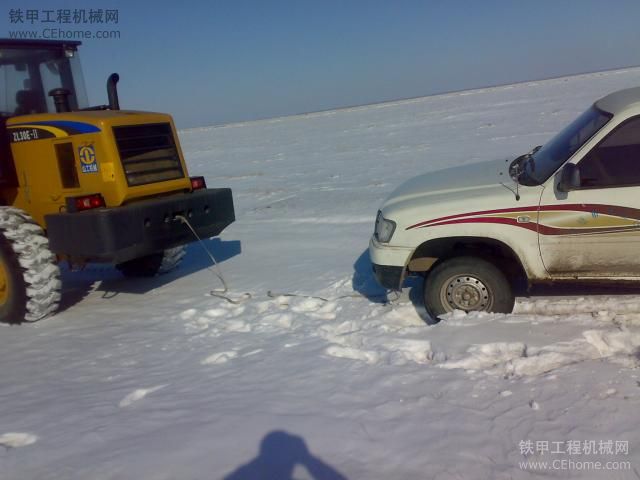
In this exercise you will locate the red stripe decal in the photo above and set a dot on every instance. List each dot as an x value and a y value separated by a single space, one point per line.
481 212
542 229
504 221
625 212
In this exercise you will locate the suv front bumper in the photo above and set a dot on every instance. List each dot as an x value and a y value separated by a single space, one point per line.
389 263
123 233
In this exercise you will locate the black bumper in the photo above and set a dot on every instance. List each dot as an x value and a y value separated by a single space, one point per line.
389 277
122 233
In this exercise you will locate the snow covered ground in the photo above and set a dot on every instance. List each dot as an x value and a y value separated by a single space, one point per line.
160 380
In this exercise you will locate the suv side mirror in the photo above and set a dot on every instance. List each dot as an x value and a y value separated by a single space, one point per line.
569 178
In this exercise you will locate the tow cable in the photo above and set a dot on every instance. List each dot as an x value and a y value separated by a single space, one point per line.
218 292
222 292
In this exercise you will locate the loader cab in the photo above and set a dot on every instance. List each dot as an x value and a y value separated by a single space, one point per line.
29 70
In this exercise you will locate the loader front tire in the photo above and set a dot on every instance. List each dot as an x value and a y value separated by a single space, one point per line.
29 275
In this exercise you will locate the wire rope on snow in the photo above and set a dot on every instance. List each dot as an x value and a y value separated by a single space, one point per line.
223 292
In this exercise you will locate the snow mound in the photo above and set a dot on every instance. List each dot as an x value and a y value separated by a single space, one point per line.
137 395
613 342
488 355
367 356
596 305
15 439
219 358
516 359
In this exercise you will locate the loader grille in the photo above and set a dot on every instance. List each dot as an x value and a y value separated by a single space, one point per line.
148 153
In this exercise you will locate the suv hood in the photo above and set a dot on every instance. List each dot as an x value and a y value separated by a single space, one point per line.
467 178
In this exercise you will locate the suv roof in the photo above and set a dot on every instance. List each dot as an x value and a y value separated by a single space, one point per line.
617 102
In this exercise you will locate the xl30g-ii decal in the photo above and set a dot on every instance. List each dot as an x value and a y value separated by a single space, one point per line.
25 132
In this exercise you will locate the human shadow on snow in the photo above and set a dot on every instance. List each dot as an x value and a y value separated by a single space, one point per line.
77 285
280 453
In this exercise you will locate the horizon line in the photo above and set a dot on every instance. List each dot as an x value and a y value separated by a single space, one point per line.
407 99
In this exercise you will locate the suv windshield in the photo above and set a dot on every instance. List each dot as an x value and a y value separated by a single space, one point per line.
27 75
541 164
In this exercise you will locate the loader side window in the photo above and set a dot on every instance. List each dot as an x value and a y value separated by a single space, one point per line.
17 94
4 103
615 161
58 74
50 80
27 75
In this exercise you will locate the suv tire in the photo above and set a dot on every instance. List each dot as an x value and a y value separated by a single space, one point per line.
469 284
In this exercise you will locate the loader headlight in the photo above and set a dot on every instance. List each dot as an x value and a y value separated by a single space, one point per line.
384 228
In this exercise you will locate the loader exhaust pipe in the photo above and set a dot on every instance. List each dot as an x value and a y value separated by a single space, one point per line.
112 91
61 99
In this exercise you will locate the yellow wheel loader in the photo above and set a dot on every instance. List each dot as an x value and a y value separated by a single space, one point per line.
86 184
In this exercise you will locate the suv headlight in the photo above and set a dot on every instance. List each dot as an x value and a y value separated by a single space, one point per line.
384 228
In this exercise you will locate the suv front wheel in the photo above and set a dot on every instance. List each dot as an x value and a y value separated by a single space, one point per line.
469 284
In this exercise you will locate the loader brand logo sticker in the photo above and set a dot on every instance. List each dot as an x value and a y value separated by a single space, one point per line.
88 161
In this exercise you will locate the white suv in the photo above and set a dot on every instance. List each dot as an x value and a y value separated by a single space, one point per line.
567 210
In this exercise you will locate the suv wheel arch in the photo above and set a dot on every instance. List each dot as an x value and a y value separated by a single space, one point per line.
433 252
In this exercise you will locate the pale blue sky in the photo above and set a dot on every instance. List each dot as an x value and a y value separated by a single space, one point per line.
220 61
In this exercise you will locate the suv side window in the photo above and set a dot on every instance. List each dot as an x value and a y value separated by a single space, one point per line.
614 162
